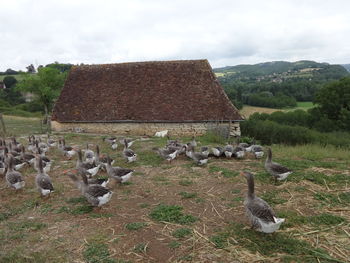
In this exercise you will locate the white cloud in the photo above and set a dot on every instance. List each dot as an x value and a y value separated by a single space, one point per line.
226 32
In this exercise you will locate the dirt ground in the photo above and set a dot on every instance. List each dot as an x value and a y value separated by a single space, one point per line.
61 228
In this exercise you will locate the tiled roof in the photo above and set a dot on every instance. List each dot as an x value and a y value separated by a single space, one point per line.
164 91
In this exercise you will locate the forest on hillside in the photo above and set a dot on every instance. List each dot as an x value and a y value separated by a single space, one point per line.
277 84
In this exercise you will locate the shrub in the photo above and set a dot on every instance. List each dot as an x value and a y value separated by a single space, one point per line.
269 132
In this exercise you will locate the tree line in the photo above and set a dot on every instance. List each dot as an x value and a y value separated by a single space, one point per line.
327 123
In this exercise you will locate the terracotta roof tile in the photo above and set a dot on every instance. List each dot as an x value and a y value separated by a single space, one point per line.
165 91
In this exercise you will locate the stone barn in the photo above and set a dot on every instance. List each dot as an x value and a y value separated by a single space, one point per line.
142 98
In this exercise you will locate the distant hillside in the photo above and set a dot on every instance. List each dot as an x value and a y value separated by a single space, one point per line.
280 71
278 83
347 66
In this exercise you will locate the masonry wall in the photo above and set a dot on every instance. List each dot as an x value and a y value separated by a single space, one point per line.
174 129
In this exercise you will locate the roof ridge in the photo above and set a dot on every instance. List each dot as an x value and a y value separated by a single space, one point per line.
146 62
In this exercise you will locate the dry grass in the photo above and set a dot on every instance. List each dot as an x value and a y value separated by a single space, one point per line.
247 110
63 228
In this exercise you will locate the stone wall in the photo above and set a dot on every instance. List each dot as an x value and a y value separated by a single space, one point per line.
175 129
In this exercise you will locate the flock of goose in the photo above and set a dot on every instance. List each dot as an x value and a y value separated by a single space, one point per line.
14 156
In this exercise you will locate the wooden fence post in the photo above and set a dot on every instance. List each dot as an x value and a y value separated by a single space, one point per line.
48 123
3 124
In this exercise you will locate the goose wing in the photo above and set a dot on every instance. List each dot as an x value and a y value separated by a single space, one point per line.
279 168
14 177
261 210
129 153
97 191
45 183
120 172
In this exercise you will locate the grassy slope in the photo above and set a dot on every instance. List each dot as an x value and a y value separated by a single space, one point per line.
201 218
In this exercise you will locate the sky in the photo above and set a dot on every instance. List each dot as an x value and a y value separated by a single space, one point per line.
226 32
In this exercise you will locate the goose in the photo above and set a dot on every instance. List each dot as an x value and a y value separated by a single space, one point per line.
161 134
2 168
17 163
189 149
205 150
171 142
2 146
13 152
259 213
15 143
217 151
198 157
179 147
68 151
110 140
238 152
86 168
15 146
14 178
89 155
279 172
102 160
228 150
101 181
120 175
50 141
31 145
193 142
166 153
127 141
244 145
114 146
257 150
42 180
46 162
43 146
129 154
27 157
95 194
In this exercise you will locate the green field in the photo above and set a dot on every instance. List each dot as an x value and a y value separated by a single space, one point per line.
17 126
179 212
305 104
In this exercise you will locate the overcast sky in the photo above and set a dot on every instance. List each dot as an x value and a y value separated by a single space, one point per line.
226 32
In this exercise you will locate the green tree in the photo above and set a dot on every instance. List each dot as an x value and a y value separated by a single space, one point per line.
334 102
11 94
9 81
45 85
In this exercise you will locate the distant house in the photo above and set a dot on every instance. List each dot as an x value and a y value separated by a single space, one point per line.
141 98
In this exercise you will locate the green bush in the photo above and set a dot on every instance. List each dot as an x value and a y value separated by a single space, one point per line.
269 132
32 106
